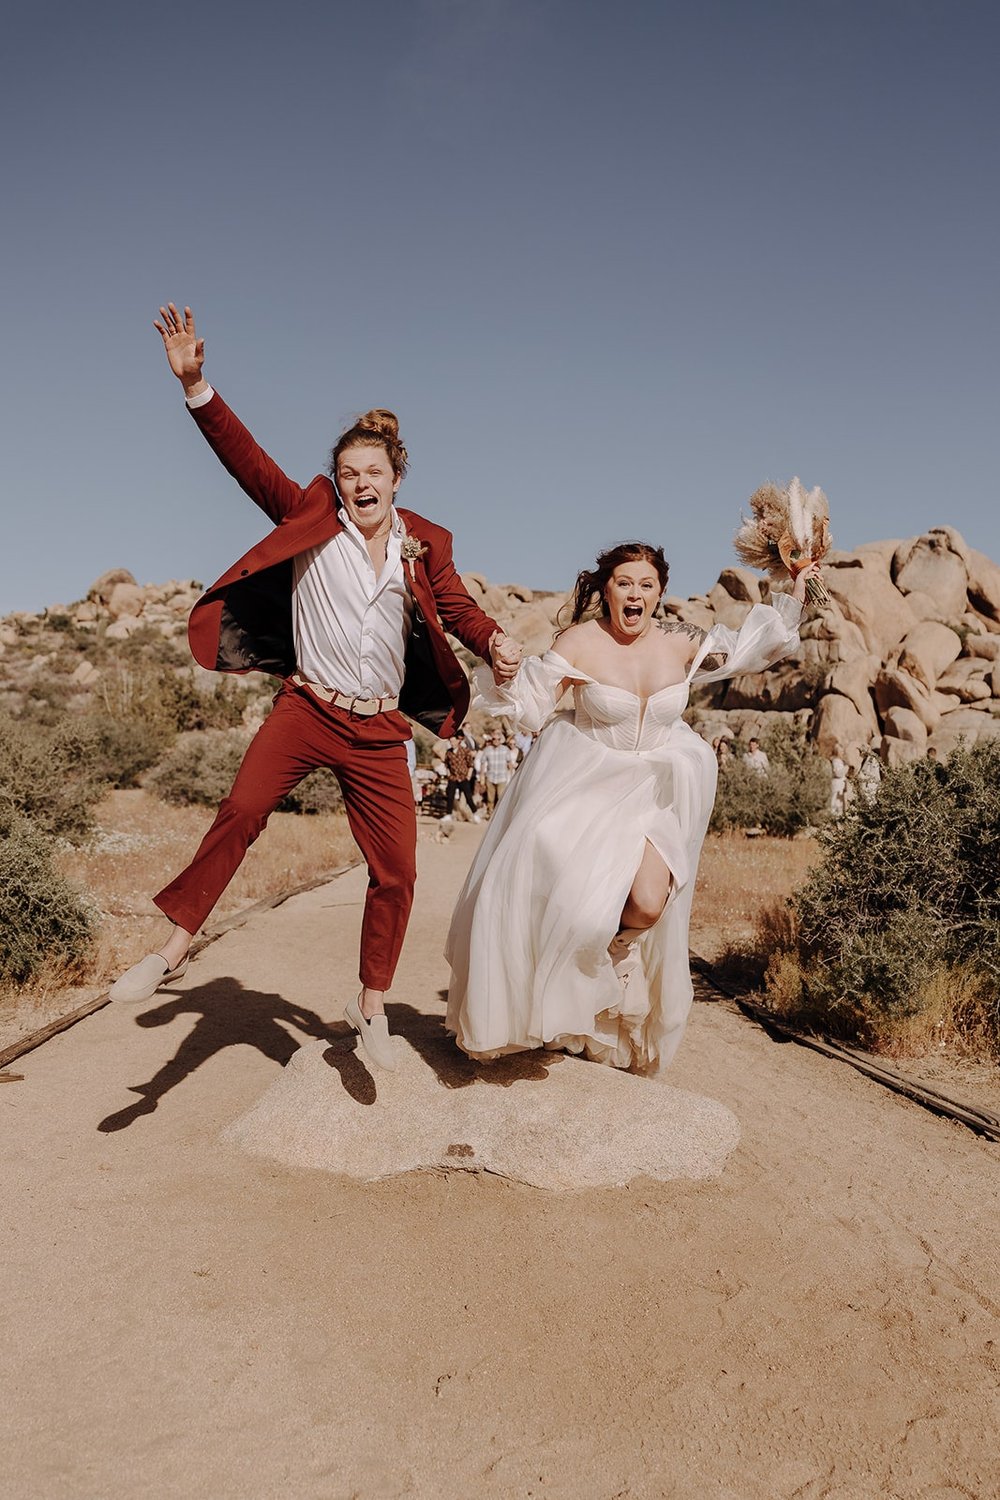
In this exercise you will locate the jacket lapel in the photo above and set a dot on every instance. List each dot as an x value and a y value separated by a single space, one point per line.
415 575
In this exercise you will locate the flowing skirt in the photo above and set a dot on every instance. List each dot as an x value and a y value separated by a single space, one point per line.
530 932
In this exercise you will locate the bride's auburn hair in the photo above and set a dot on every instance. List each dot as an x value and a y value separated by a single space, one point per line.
588 595
378 428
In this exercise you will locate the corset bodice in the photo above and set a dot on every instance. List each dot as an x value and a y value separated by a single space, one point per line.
623 721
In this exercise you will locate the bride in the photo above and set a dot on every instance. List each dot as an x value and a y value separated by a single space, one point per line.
571 930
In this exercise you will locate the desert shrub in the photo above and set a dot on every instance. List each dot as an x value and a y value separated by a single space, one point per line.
424 742
902 911
794 794
746 961
319 792
121 749
199 770
47 775
44 699
138 692
165 699
220 707
42 918
223 709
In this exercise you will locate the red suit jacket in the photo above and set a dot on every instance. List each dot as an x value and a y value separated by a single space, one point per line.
243 623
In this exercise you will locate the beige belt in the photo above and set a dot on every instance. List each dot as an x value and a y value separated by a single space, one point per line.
364 707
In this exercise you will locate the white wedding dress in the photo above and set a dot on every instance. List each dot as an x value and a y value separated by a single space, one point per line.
530 932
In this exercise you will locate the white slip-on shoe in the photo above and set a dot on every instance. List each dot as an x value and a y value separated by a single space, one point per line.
142 981
374 1035
623 953
623 943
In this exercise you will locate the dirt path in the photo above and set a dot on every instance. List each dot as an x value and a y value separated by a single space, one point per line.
183 1319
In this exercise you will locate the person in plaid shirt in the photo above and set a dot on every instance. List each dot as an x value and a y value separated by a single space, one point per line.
459 760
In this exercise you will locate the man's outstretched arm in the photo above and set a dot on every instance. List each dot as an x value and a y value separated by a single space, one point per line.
236 448
460 614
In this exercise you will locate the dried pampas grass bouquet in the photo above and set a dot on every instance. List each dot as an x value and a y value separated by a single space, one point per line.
786 531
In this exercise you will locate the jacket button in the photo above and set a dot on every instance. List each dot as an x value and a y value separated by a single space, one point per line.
244 572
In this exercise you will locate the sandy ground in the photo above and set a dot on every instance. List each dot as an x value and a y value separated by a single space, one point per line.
184 1319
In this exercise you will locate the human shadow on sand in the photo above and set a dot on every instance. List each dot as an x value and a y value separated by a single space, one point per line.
228 1015
428 1037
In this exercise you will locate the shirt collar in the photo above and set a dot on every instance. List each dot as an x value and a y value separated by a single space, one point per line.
396 527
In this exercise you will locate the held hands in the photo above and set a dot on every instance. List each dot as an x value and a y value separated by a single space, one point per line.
800 579
185 350
505 657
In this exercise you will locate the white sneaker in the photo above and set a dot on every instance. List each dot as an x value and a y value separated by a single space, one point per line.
476 818
143 980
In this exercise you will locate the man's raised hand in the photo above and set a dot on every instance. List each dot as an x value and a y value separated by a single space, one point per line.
185 350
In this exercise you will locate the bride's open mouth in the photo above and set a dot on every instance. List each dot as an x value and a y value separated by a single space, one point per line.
633 613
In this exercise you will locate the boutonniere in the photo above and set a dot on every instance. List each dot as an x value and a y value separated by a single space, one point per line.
412 549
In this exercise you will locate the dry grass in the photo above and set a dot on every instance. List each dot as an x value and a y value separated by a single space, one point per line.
739 880
957 1013
140 844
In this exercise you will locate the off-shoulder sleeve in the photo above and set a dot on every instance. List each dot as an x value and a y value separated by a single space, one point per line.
530 697
769 632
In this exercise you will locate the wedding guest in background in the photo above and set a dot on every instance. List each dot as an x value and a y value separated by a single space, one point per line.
496 770
524 741
459 763
756 758
838 784
869 777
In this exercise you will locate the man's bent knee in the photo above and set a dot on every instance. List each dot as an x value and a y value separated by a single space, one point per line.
246 812
396 878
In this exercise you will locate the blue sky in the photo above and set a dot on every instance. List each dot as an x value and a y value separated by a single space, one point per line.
612 264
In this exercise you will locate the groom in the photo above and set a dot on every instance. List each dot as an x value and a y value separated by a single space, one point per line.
347 599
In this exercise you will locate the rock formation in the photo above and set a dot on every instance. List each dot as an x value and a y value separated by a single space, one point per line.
905 657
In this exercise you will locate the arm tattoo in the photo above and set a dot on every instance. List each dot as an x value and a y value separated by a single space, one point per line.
697 635
683 627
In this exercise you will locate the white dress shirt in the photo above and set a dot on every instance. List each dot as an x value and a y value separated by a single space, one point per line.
350 627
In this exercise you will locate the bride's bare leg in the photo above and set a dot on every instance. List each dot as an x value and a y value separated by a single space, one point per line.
649 894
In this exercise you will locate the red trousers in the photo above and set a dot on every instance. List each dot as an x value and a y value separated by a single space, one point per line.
368 756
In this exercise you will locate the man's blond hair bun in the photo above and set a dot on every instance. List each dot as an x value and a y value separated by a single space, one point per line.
379 427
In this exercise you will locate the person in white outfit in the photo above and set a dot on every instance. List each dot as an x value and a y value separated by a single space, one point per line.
838 784
756 758
571 930
869 777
